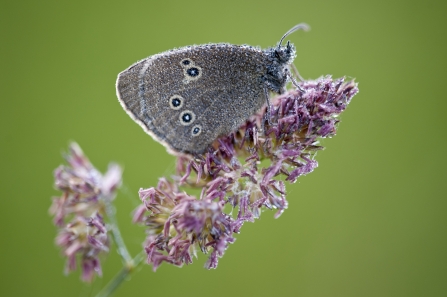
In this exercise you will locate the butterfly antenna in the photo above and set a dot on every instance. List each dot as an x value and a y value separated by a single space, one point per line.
301 26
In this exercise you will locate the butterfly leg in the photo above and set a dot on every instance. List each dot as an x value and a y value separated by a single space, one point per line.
294 82
267 114
296 73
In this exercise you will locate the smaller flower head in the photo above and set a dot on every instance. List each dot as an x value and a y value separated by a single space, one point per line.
79 211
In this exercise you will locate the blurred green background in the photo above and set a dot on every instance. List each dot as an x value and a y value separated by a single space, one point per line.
370 221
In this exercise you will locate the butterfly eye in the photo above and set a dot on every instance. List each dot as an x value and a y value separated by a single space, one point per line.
196 130
187 117
193 71
176 102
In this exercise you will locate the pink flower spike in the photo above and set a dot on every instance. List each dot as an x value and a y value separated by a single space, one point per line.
246 169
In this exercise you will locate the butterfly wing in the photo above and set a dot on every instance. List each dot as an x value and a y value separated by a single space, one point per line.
188 97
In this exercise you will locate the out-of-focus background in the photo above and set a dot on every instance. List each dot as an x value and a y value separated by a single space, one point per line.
369 221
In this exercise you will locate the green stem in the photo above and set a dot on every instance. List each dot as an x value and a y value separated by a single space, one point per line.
122 275
121 246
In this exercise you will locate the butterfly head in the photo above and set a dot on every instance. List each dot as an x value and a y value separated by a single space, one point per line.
284 55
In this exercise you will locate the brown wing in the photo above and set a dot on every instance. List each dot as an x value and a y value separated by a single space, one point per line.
219 86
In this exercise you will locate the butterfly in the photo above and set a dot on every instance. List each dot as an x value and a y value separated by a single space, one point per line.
186 98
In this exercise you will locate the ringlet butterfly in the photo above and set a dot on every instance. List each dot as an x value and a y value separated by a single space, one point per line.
186 98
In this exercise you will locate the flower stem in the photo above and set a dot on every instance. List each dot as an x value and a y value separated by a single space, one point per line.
121 246
122 275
